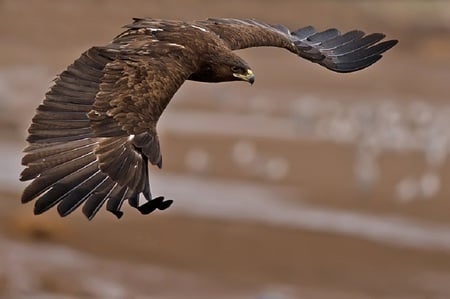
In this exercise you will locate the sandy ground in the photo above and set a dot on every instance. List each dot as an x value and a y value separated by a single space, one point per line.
183 253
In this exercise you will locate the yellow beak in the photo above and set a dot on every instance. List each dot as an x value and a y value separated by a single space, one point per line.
248 76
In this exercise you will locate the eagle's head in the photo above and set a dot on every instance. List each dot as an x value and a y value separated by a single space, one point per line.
233 68
243 73
224 68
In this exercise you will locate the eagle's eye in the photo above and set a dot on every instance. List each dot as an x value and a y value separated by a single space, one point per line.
238 70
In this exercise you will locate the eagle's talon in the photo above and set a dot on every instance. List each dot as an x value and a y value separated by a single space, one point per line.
147 208
158 200
165 204
156 203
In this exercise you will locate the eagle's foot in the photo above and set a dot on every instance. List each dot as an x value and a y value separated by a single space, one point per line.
156 203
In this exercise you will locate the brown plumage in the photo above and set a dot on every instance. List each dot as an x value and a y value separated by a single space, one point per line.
93 135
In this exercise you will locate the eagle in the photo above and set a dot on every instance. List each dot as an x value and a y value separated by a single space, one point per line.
94 134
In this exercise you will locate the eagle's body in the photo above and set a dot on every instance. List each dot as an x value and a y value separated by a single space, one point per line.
91 139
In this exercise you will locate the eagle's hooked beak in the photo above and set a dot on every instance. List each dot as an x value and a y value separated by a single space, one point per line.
248 76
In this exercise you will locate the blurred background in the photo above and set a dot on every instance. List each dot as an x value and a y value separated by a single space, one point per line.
308 184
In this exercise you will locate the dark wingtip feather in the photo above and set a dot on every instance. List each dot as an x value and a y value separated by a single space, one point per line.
26 175
304 32
63 211
40 207
25 199
344 53
348 67
29 193
159 164
323 36
389 44
351 64
37 211
118 214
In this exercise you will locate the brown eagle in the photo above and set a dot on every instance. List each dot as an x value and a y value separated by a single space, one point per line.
95 132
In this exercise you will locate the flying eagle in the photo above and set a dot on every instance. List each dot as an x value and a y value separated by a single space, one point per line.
95 132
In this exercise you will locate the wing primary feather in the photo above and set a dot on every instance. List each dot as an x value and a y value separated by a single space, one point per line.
69 77
118 193
114 204
354 66
47 124
363 54
39 151
46 136
49 177
63 186
75 197
323 36
355 45
97 198
43 113
38 166
55 105
304 33
341 40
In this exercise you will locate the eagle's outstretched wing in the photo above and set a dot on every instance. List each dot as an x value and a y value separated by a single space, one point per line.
91 138
338 52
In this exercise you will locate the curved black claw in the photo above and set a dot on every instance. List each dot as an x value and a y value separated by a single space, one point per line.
156 203
165 204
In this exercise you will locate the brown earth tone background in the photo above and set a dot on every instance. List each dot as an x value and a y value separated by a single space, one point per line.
309 184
